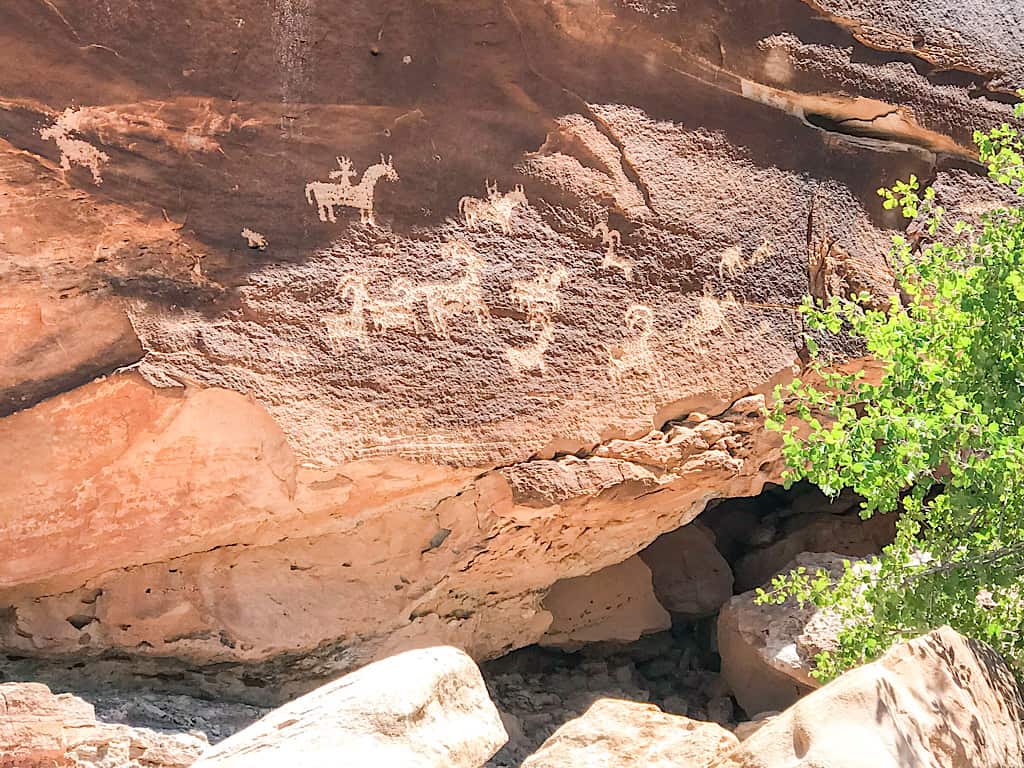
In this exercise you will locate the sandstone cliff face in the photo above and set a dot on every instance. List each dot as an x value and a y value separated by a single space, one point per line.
418 299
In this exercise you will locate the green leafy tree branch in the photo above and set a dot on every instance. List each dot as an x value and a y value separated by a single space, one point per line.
938 436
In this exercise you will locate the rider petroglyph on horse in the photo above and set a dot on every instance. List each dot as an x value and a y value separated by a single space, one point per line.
326 195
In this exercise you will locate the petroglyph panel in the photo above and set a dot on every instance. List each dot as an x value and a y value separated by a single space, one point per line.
341 192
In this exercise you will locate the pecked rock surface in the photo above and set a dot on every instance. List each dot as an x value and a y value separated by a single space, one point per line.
331 332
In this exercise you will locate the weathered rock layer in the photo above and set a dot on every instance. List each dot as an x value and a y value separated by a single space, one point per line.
427 304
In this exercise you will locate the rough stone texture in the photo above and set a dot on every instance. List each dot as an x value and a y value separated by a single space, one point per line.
690 576
543 688
422 709
616 604
41 730
375 415
614 732
748 728
937 700
816 532
768 650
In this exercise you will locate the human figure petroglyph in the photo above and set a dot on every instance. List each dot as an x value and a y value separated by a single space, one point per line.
445 300
733 262
530 357
350 325
611 239
538 298
496 208
74 151
633 354
327 195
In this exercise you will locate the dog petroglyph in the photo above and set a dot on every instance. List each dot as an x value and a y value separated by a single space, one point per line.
538 298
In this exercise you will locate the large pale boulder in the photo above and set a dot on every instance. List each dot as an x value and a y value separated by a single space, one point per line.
421 709
616 604
938 700
690 575
768 650
39 729
616 733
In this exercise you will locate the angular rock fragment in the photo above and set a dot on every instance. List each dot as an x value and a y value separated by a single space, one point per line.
625 733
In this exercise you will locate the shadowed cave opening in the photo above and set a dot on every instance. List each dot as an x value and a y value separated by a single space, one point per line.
646 629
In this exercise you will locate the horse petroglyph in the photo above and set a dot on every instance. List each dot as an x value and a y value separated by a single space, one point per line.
527 358
496 208
633 354
465 295
611 239
74 151
326 195
538 298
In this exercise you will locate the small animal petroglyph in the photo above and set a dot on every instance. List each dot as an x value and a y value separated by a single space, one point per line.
445 300
496 208
74 151
733 262
538 298
255 240
611 239
327 195
710 315
633 354
530 357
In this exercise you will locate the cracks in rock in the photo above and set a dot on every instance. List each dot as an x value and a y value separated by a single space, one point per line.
927 66
600 124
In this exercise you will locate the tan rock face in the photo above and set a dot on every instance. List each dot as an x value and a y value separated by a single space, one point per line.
614 732
422 709
422 555
41 730
938 700
768 650
420 297
690 575
615 604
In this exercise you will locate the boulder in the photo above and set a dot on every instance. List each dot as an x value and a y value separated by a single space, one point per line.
843 534
938 700
615 604
427 708
768 650
39 729
625 733
690 575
